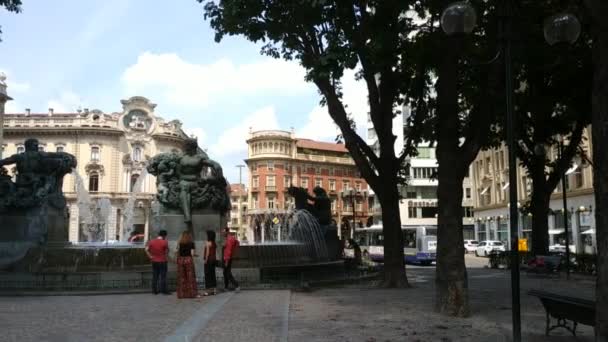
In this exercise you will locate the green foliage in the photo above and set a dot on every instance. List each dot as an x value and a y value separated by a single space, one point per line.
11 6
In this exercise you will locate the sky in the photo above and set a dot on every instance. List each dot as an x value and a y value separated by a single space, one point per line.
66 54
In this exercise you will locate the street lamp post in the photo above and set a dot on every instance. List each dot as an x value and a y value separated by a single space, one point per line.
565 202
460 18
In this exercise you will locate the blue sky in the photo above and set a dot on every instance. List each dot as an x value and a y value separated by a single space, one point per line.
65 54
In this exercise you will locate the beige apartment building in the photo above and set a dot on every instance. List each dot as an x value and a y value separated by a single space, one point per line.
112 150
491 196
238 212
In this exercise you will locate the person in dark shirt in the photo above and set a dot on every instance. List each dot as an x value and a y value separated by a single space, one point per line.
186 276
210 263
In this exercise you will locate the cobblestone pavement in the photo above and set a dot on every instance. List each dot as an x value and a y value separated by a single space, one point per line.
348 313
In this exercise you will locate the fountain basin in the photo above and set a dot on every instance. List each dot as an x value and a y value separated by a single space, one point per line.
75 259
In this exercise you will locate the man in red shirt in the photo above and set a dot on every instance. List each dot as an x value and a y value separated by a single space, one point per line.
230 249
157 251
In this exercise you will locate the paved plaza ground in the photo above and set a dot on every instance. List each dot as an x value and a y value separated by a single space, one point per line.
346 313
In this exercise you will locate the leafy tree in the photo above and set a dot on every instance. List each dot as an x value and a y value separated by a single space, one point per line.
597 10
547 105
11 6
326 37
460 117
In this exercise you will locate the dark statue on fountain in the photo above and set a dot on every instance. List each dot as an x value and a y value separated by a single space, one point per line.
321 210
39 178
190 181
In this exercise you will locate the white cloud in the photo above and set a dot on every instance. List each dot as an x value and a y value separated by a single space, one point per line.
233 139
12 107
196 132
14 86
320 125
67 102
196 85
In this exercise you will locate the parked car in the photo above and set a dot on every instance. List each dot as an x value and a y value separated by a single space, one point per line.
470 246
486 248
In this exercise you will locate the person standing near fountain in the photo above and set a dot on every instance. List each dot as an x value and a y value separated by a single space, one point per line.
158 250
210 260
230 249
186 276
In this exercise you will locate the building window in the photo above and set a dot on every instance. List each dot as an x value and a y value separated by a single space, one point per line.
425 153
93 182
254 202
359 205
20 148
429 212
254 166
319 182
270 166
287 180
467 192
333 204
345 185
60 148
134 179
271 203
411 194
358 186
578 179
332 184
95 153
331 171
270 181
318 170
304 182
255 182
137 154
412 212
467 211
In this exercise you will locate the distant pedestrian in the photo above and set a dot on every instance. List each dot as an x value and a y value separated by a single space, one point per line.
186 275
230 249
158 250
210 260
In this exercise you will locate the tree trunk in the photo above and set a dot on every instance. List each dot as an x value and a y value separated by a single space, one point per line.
600 165
451 283
452 296
394 263
539 207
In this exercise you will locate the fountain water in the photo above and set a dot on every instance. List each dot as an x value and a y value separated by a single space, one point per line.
83 199
130 206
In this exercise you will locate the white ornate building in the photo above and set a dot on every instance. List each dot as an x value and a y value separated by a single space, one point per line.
111 150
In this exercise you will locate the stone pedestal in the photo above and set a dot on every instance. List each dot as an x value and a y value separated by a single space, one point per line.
42 225
26 228
202 220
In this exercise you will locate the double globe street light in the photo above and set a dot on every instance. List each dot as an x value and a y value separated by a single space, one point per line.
460 18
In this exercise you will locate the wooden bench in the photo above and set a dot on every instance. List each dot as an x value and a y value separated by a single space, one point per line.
564 309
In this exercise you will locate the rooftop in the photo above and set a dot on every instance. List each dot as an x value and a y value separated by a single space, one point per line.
321 145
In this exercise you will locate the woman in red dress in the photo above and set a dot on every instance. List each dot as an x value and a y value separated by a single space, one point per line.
186 277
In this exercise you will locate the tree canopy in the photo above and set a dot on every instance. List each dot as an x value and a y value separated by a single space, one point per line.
11 6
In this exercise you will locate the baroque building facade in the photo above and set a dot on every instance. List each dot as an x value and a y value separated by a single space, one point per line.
112 150
278 159
490 172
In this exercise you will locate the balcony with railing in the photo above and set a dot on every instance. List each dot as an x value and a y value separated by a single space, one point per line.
271 188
